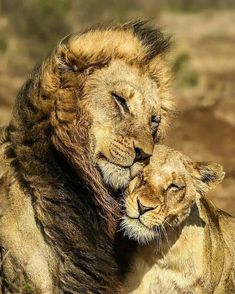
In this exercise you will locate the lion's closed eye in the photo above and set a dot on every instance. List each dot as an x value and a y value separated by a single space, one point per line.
176 187
121 102
155 122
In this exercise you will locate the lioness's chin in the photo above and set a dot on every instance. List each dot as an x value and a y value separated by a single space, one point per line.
134 229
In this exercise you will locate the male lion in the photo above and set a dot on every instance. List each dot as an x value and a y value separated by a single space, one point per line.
188 243
83 125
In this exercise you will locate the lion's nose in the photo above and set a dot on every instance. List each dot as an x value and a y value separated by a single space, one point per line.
142 208
140 155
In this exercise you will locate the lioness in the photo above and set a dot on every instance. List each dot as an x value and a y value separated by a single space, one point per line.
187 243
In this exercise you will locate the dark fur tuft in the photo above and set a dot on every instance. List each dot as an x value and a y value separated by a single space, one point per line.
207 177
153 38
150 36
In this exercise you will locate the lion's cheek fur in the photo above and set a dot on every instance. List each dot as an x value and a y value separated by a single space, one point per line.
114 176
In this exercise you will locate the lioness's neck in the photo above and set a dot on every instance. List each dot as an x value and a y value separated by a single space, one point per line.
173 240
171 258
191 259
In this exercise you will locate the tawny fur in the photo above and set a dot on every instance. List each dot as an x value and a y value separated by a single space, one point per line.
189 243
68 140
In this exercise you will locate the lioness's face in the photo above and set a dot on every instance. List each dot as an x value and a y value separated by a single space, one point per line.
126 117
165 192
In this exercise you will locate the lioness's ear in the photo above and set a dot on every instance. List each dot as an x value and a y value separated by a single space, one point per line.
207 175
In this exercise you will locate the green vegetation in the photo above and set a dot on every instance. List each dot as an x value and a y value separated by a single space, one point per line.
106 10
3 44
195 5
185 75
41 19
37 21
35 26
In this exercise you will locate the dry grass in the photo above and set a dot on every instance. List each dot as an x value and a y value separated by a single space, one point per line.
205 127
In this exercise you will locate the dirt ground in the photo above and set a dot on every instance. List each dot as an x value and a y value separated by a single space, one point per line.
204 91
204 127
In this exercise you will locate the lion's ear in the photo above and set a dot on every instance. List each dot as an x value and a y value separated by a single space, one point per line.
207 175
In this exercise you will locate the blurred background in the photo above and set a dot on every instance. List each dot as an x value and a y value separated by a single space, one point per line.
202 59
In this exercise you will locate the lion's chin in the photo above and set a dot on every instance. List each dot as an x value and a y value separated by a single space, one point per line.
135 230
118 177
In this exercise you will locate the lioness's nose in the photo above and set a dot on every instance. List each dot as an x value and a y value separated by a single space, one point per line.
140 155
142 208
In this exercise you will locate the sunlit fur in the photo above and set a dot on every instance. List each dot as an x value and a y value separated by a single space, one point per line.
68 140
137 231
186 243
171 206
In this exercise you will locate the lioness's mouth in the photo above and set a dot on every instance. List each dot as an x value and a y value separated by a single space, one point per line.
135 229
140 222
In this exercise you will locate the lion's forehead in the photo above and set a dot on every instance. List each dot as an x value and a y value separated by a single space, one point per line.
128 81
110 40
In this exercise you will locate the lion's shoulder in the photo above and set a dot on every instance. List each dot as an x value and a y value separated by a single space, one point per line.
6 172
3 134
4 146
4 188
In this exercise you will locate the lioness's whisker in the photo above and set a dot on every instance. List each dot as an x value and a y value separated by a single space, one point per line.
165 232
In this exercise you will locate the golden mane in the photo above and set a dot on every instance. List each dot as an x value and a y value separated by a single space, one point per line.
50 153
48 101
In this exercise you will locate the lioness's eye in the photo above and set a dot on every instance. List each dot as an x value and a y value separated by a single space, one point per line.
155 121
121 102
141 178
175 187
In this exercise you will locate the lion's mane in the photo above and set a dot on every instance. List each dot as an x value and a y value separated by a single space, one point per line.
50 153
